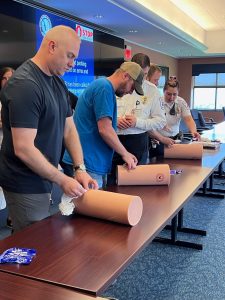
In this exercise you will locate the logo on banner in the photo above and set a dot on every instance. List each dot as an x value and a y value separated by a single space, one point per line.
84 33
45 24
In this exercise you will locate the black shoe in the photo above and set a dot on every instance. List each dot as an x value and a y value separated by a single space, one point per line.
9 223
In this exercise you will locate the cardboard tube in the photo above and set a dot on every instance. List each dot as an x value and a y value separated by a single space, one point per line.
184 151
144 175
121 208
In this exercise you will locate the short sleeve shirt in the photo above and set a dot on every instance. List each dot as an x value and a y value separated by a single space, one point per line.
34 100
96 102
173 121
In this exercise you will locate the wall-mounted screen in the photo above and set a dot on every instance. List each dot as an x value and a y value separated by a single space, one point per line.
22 28
109 53
82 74
32 24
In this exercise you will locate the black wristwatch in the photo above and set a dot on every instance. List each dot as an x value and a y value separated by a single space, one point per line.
80 168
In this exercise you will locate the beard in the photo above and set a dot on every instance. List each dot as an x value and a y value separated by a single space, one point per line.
120 92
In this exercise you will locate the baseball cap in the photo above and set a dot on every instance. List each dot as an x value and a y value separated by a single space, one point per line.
136 73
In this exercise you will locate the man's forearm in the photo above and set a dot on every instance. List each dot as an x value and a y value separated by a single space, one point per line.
36 161
190 124
156 135
154 123
112 140
73 146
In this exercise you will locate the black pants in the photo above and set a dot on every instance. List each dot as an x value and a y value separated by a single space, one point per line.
137 144
157 150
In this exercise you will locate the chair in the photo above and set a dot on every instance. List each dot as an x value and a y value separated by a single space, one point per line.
223 109
200 122
198 118
185 131
204 122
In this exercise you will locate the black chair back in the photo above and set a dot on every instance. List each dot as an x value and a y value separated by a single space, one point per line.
195 116
183 127
223 109
200 122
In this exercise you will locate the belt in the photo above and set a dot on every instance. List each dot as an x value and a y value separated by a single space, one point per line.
178 136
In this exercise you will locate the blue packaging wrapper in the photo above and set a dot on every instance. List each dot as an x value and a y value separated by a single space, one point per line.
17 255
174 172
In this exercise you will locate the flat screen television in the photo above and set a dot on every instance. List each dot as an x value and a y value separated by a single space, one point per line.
23 26
108 53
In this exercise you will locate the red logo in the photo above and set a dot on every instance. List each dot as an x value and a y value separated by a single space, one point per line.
84 33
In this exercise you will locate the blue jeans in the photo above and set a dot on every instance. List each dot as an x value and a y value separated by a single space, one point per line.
68 170
101 179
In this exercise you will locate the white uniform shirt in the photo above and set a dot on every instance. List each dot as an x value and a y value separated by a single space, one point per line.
148 110
173 121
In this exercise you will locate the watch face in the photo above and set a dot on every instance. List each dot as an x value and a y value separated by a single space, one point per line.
80 167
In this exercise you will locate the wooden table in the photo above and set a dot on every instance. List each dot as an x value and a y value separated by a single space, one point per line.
13 287
212 158
88 254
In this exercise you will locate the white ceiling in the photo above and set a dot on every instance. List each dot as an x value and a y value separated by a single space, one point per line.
178 28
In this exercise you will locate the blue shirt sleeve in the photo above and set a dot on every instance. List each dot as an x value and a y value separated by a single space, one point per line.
103 103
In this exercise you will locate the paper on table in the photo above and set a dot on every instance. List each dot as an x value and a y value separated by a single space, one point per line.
144 175
184 151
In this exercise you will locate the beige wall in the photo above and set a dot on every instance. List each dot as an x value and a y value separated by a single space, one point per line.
183 69
157 58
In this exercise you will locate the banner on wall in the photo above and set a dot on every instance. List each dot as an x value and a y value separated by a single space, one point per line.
82 74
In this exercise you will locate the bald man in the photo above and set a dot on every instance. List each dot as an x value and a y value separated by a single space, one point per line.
36 118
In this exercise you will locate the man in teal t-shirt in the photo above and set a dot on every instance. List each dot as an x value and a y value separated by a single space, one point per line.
96 120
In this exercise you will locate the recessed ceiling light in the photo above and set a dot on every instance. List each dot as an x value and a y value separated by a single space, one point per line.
160 43
98 16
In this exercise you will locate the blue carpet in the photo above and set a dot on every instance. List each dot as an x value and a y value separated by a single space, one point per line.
172 273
